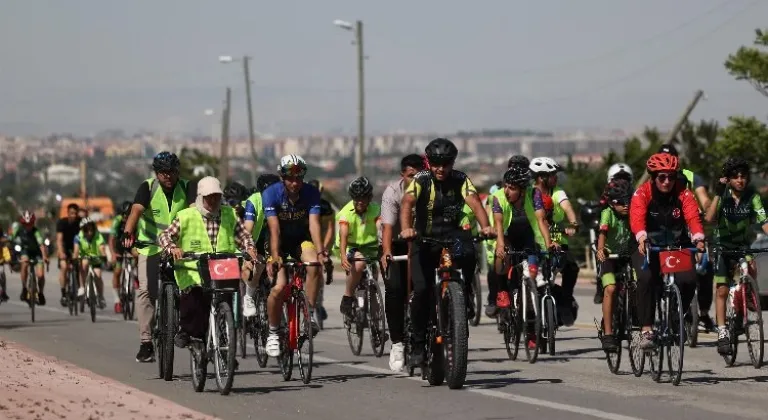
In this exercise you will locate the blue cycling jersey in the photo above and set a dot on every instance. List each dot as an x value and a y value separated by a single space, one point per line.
250 211
293 216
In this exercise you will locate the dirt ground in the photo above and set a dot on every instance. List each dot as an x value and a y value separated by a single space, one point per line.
35 386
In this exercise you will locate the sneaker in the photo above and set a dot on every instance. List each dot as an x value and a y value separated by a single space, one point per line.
396 357
417 355
64 301
146 353
610 343
724 342
249 306
273 345
118 308
347 303
647 340
502 300
706 322
40 299
531 341
181 340
81 292
4 297
101 302
323 314
540 282
23 295
315 324
491 310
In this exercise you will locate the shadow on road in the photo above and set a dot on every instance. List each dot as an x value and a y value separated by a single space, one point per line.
29 323
714 379
502 379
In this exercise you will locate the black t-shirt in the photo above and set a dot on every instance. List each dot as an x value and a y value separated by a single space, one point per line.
325 208
143 194
68 231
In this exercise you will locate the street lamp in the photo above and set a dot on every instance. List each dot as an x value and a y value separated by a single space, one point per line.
358 29
226 59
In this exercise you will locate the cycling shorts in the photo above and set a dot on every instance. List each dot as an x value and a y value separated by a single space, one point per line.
5 256
292 247
726 266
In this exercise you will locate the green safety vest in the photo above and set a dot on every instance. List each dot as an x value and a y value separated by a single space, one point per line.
362 230
506 209
193 237
689 177
90 248
156 218
258 224
558 216
469 219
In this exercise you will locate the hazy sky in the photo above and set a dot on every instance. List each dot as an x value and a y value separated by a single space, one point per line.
83 65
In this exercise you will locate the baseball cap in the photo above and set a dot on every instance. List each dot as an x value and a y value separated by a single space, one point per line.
209 186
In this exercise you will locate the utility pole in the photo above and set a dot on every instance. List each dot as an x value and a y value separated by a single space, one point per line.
679 125
251 136
360 97
224 154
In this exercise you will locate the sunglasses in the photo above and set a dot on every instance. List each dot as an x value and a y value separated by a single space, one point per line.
667 177
620 202
441 161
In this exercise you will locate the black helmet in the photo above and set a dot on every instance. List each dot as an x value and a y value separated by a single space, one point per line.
668 148
360 188
317 184
125 208
518 160
166 162
235 193
441 150
618 191
518 175
265 180
735 165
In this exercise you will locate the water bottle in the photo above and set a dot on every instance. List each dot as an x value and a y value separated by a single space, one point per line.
735 295
360 294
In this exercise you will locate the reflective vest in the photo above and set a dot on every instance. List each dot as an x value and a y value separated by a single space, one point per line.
506 210
90 248
156 218
689 177
193 237
258 224
362 229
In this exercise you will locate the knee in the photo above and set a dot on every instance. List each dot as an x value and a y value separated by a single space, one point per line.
277 291
722 291
609 289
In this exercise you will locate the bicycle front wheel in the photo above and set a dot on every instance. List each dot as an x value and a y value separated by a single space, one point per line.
731 324
355 329
675 337
455 335
617 322
32 290
259 327
224 346
376 319
169 330
632 327
692 322
531 321
477 291
92 297
753 328
304 346
551 324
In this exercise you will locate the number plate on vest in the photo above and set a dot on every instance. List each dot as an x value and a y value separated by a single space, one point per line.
224 269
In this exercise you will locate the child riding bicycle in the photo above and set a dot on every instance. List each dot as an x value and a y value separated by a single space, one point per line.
92 248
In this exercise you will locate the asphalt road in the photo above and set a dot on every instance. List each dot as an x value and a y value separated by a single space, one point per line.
573 384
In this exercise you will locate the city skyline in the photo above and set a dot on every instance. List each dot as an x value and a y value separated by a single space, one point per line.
82 66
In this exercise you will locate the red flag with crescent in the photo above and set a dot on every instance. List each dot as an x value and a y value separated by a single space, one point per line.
675 261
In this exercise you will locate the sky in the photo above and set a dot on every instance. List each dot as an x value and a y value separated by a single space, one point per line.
432 65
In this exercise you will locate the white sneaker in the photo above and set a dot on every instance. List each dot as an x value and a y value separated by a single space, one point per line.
249 306
273 345
81 292
540 282
396 357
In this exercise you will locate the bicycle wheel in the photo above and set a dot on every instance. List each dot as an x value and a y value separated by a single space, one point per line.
408 336
376 319
32 290
656 355
692 322
91 296
477 291
753 322
631 327
169 330
730 324
304 346
73 285
514 325
285 360
675 337
455 335
531 321
260 329
355 329
551 324
198 366
158 331
223 343
242 325
132 282
618 323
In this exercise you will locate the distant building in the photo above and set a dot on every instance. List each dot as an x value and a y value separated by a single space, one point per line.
62 174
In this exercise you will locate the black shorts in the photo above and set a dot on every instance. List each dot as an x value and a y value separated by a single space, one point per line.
291 246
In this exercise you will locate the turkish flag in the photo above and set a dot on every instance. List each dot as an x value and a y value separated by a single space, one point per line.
224 269
675 261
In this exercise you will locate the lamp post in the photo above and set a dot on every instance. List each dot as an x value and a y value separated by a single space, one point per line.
225 59
358 30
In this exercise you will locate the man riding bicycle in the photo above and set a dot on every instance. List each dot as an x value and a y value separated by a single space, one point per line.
735 207
66 230
292 209
91 247
117 249
437 197
32 246
663 212
357 223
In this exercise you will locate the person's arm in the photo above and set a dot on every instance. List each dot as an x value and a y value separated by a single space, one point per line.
315 231
702 196
243 238
638 208
691 214
498 223
60 245
541 217
343 236
251 213
76 251
714 206
167 238
329 231
569 213
41 242
390 211
759 212
270 204
140 203
469 192
406 210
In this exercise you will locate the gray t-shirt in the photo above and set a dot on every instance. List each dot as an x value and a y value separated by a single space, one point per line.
390 206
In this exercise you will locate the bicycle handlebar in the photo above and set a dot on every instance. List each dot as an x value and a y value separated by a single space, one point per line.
700 266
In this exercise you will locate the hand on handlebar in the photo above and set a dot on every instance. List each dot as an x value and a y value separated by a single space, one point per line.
408 234
177 253
128 239
488 232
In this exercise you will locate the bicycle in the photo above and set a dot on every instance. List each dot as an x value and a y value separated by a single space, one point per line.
447 327
368 310
623 317
220 275
669 326
90 285
296 331
692 318
128 282
510 320
550 264
477 292
743 299
32 282
257 327
73 284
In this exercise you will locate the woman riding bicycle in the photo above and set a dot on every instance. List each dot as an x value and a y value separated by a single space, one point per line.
663 212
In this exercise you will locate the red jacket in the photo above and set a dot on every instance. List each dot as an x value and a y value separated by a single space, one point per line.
641 201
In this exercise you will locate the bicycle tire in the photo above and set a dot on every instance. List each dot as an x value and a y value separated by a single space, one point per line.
92 297
613 358
550 320
730 324
355 329
242 326
677 337
224 360
692 326
656 355
304 322
636 354
516 327
73 284
198 366
32 290
532 327
260 328
477 292
456 348
376 319
755 339
285 360
170 327
408 337
434 369
158 330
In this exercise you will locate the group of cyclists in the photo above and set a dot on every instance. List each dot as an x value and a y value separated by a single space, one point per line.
525 212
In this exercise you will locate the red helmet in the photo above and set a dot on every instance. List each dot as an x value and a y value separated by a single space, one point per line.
27 218
662 162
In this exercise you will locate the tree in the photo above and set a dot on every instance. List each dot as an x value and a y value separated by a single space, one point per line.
697 142
196 164
744 136
751 63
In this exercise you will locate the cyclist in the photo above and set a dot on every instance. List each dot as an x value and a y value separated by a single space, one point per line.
396 283
358 223
5 260
292 209
327 222
91 247
116 248
662 212
614 237
66 230
437 196
156 203
545 171
699 189
735 207
32 248
207 226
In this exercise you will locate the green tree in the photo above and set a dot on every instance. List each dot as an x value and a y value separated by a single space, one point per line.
751 63
196 164
744 136
696 143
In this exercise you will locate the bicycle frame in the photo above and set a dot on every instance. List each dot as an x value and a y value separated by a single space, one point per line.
296 271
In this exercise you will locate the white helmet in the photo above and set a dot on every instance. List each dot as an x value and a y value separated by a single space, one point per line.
618 168
292 165
544 165
85 221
